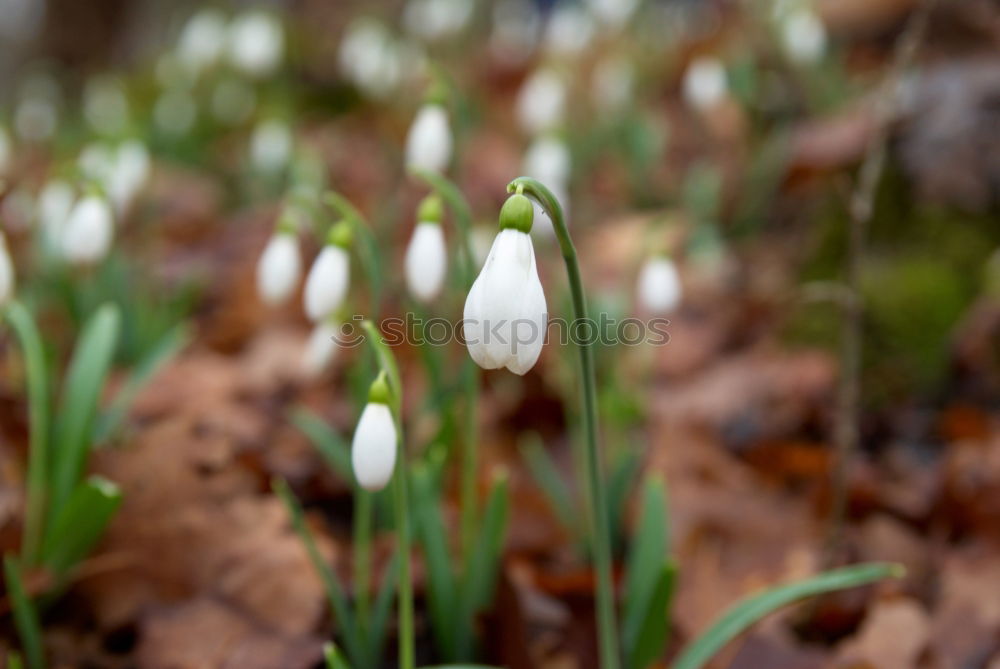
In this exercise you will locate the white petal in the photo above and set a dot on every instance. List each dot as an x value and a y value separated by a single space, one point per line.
326 286
373 450
202 39
659 286
428 144
54 205
426 261
705 83
256 42
541 101
86 238
547 159
279 268
321 349
271 146
803 36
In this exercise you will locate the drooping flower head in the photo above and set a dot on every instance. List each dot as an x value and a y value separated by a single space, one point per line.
427 254
330 275
428 143
280 265
321 348
86 237
505 312
373 449
659 286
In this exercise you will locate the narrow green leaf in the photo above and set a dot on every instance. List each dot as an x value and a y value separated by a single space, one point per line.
335 451
81 394
334 660
651 638
546 474
434 541
79 523
25 614
751 609
338 600
481 573
169 345
645 560
38 410
381 611
625 469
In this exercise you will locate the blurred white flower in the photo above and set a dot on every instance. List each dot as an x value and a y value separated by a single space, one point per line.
55 201
372 59
321 349
175 111
705 83
328 281
87 234
233 101
96 161
428 143
256 43
271 146
541 101
202 39
373 449
505 312
613 84
432 20
803 36
129 174
659 286
105 105
35 119
548 160
570 30
6 273
614 13
426 261
516 26
279 268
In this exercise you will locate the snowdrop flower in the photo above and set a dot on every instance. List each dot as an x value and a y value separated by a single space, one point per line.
614 13
373 449
427 254
321 349
256 43
548 160
705 83
35 119
330 275
613 84
105 105
175 111
570 30
436 19
279 267
202 40
233 101
541 101
6 273
271 146
54 204
6 150
659 288
516 24
86 236
428 143
129 173
803 36
505 312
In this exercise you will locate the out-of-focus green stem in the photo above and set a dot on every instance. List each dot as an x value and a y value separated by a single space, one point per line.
596 492
407 648
362 557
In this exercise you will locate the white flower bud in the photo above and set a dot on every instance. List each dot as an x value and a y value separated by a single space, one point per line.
36 118
428 143
659 286
321 349
256 43
202 40
436 19
271 146
326 286
505 312
279 268
803 36
426 261
541 101
548 160
129 173
373 449
570 30
705 83
54 204
516 24
6 273
86 237
614 13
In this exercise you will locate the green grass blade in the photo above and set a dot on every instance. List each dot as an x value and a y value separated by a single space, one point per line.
434 541
651 637
78 407
25 614
335 451
79 523
169 346
625 469
480 578
649 549
38 414
382 609
751 609
334 592
546 474
333 657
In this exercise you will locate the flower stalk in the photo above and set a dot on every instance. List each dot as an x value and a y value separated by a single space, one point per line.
596 490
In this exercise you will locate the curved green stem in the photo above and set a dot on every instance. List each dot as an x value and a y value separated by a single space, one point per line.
470 378
606 625
367 244
407 653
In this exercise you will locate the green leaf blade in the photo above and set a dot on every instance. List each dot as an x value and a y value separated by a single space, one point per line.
79 524
25 614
